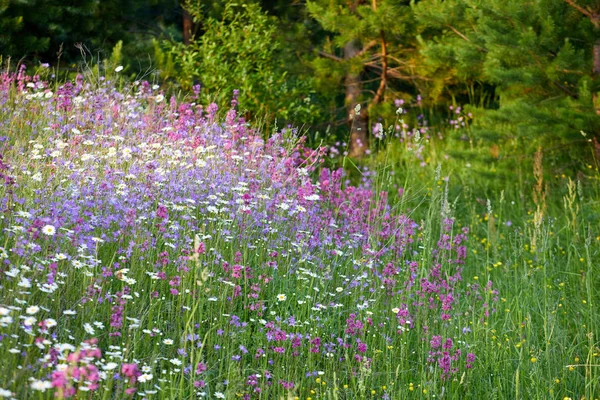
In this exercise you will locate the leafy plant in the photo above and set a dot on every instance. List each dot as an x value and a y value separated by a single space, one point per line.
241 51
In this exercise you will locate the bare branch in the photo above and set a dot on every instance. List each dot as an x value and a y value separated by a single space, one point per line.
394 73
331 56
367 47
384 68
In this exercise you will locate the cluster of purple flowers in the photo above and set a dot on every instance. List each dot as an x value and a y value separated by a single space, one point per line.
132 224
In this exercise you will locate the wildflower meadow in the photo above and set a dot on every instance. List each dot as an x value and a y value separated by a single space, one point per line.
157 247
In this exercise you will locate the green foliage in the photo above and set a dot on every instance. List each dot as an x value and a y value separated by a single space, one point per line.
535 56
240 51
365 23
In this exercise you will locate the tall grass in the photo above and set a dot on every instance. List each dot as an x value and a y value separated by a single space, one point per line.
151 248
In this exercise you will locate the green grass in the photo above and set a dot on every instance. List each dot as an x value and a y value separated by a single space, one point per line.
533 233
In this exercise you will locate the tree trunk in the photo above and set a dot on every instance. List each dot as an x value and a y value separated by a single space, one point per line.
359 121
187 27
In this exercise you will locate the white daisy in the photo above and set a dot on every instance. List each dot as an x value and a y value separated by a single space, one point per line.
110 366
50 322
42 386
88 328
49 230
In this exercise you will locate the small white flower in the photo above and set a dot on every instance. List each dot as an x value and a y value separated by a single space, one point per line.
110 366
50 322
42 386
219 395
145 377
69 312
48 94
122 274
168 342
159 98
24 214
119 68
281 297
175 361
5 393
32 310
89 328
86 157
395 310
13 272
4 311
49 230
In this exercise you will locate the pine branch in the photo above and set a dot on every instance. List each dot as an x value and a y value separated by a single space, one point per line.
330 56
394 73
592 14
566 90
366 48
463 36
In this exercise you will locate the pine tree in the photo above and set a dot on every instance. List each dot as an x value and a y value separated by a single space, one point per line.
538 58
364 37
591 10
